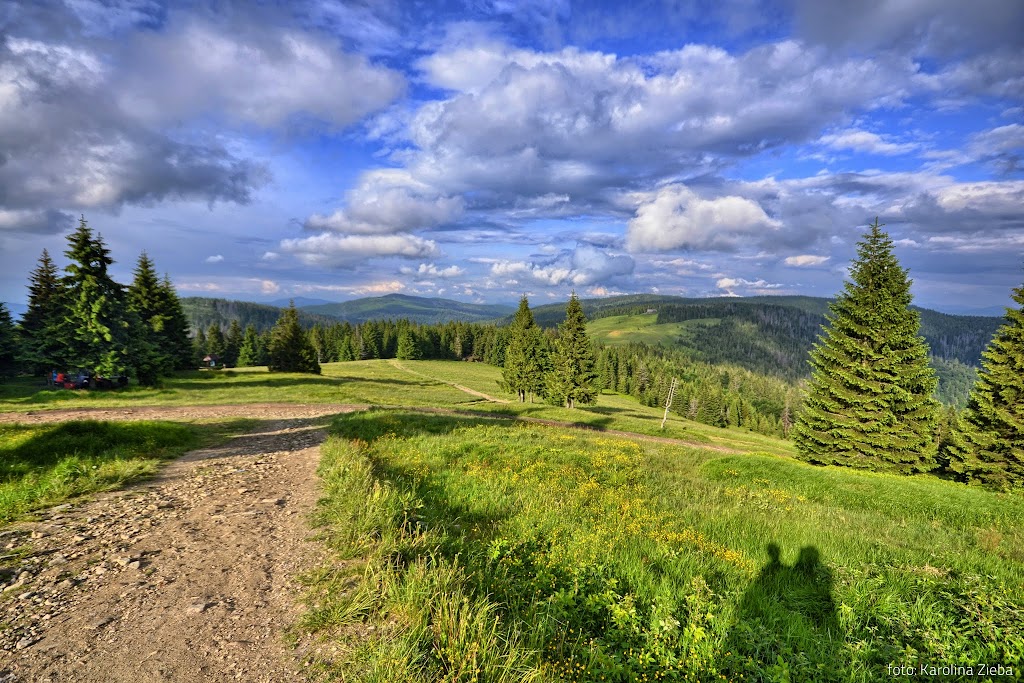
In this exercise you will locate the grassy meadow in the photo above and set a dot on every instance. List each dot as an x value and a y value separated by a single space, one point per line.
469 550
643 328
384 383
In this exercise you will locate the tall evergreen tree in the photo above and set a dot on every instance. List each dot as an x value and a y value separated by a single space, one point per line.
525 357
408 348
232 344
249 353
176 328
571 380
289 349
149 354
9 343
96 330
41 347
215 342
869 402
345 349
996 406
198 348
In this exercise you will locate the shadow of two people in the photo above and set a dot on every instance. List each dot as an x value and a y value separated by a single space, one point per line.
788 614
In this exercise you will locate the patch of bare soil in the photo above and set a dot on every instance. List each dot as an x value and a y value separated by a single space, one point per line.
188 577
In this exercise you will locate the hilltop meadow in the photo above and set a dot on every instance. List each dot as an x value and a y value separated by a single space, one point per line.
471 537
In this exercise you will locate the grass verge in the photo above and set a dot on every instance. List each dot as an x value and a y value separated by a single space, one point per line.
466 550
43 465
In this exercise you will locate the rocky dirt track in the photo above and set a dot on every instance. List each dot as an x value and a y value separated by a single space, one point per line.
190 576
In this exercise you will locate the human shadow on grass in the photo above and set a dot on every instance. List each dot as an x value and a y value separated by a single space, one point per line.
787 622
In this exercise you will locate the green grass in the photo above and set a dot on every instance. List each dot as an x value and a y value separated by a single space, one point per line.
468 550
611 412
43 465
382 382
376 382
643 328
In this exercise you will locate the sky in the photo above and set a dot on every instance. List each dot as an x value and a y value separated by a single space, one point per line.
484 149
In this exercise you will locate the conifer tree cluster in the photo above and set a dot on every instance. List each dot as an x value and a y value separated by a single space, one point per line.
563 374
526 356
869 403
85 320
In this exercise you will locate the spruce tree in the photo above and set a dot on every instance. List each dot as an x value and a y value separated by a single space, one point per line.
571 380
525 357
996 406
149 354
954 457
215 342
9 343
176 328
345 349
249 352
41 347
199 348
96 331
408 348
232 344
869 402
289 349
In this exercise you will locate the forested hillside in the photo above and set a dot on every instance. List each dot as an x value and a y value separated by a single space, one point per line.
766 334
412 308
202 312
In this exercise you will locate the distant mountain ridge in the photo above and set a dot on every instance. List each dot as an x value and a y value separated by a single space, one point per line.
203 311
413 308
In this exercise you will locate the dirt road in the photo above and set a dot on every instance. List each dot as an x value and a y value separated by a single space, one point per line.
188 577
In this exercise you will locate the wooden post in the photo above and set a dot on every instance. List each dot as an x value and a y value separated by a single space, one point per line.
668 401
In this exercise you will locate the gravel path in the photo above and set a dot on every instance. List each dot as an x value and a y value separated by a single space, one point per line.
188 577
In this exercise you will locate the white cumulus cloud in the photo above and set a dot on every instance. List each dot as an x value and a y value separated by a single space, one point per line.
426 270
866 141
804 260
329 249
677 218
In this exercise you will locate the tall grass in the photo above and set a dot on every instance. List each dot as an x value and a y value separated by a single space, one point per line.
468 550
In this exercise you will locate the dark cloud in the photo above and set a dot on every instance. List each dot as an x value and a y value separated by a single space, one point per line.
934 27
35 221
99 123
68 145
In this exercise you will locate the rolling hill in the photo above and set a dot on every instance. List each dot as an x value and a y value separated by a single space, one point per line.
413 308
773 335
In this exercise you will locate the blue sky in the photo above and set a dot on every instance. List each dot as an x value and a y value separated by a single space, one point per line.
484 149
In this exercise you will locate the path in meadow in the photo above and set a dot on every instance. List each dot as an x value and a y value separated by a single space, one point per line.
190 576
454 385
